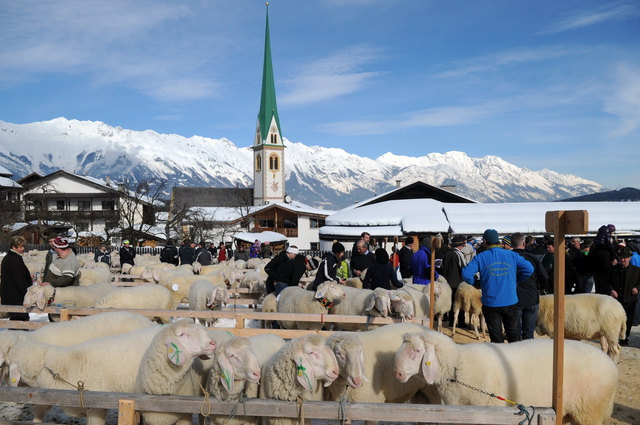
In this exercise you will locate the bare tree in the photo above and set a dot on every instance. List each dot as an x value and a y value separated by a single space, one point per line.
137 207
36 208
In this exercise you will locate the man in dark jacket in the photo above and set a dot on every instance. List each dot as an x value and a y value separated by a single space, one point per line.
405 254
15 278
187 252
362 260
169 254
380 273
328 267
202 255
102 255
452 264
127 253
285 270
623 285
528 290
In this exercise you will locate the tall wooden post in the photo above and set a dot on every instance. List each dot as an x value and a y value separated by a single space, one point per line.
435 243
561 223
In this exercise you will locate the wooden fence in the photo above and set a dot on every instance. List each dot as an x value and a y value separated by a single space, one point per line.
128 404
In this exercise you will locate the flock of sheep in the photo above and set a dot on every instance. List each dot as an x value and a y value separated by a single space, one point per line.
125 352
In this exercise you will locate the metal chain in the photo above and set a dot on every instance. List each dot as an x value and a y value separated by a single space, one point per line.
243 398
300 410
79 387
344 398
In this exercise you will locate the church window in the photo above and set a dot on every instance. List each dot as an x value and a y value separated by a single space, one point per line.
273 162
274 139
258 138
258 163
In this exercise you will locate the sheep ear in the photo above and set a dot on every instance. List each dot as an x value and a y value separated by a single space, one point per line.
430 366
371 302
175 351
304 371
41 301
212 298
226 372
14 375
321 291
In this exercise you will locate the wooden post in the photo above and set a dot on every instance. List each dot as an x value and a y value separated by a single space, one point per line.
64 315
127 412
561 223
435 243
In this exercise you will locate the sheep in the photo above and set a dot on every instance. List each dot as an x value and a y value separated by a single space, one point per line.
353 282
126 268
469 299
297 300
269 305
179 283
205 295
378 384
252 280
72 332
587 316
151 296
77 296
402 304
295 371
166 366
103 364
442 295
362 302
95 275
522 372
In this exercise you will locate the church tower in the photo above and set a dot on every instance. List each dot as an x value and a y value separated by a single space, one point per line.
268 146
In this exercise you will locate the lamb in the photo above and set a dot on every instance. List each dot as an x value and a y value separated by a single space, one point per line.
295 371
151 296
587 316
469 299
166 367
102 364
362 302
95 275
297 300
205 295
379 347
74 296
521 372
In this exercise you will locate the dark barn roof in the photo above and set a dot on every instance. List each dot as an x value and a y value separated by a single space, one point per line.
419 190
212 196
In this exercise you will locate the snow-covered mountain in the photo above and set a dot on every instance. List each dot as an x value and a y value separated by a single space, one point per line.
322 177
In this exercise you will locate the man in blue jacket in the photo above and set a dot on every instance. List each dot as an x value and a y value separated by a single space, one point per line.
421 263
500 272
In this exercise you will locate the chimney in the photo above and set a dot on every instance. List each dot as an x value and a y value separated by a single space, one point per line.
107 179
398 182
449 187
121 187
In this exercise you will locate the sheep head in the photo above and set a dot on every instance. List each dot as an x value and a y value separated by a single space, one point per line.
237 362
350 356
38 295
402 304
330 290
315 362
379 299
415 355
187 340
218 297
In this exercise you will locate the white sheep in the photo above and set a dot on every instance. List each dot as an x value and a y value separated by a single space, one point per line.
150 297
269 305
522 372
42 296
442 295
296 370
294 299
72 332
179 283
468 298
402 304
205 295
376 376
166 366
95 275
253 280
587 316
103 364
362 302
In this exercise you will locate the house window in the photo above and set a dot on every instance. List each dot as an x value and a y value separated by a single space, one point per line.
273 162
84 205
274 139
14 196
315 223
60 205
266 223
314 246
290 223
82 227
108 205
258 162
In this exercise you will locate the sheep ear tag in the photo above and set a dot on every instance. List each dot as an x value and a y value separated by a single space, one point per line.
14 375
40 302
304 371
320 292
175 351
226 372
430 366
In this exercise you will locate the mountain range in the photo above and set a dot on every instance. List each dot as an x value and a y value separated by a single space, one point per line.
322 177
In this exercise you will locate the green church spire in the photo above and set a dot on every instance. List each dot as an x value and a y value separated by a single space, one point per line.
268 107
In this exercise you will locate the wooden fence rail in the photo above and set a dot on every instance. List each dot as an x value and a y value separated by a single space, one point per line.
421 413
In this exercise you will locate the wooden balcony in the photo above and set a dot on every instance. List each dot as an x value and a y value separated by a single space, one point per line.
63 215
288 232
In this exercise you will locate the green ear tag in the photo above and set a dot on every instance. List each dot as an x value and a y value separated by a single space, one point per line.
225 376
175 353
303 371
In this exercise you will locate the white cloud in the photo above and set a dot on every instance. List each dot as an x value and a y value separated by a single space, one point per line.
330 77
619 11
624 101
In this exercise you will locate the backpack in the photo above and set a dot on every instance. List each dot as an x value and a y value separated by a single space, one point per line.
165 255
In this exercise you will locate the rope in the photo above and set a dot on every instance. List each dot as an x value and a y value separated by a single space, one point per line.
522 409
366 326
205 400
345 397
300 403
243 398
79 387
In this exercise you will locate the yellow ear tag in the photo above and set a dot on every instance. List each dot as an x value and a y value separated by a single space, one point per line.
428 362
13 380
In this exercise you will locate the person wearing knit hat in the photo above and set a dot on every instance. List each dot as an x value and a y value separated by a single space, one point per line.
506 242
328 267
64 269
286 269
380 273
500 272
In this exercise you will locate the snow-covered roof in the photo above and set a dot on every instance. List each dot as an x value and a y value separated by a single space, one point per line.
266 236
220 213
7 182
427 215
356 231
226 214
295 206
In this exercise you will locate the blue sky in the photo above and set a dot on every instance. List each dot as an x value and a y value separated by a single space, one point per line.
544 84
